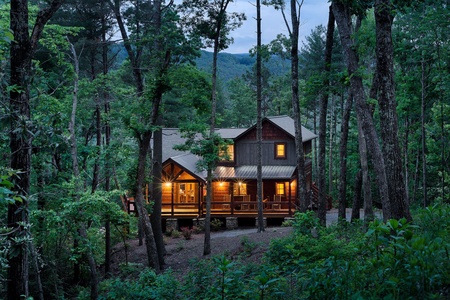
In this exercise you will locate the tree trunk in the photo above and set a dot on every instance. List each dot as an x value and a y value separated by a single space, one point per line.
108 168
343 158
323 109
212 125
423 137
259 117
343 20
357 197
155 217
331 129
399 203
302 193
76 173
98 135
366 182
144 219
21 53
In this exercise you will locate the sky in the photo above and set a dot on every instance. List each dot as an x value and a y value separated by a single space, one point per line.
313 13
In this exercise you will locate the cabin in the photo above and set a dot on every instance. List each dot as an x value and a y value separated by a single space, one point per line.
234 187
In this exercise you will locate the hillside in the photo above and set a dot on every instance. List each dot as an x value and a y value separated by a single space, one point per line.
235 65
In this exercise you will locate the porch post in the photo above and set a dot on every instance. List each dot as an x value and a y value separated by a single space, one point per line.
172 195
200 198
290 198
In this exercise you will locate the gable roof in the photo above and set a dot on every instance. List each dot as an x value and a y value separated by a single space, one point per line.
286 124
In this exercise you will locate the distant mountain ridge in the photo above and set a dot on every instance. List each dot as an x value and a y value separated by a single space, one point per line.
231 66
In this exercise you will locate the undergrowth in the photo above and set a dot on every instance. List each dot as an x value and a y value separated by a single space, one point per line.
392 260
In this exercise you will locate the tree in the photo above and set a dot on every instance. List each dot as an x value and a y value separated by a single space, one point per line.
210 21
21 54
76 175
323 113
343 14
399 204
293 27
259 187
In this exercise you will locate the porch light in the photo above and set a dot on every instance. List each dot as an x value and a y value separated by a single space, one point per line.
221 183
168 184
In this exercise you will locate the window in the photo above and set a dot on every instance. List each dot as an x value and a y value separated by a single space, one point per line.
280 150
239 188
280 188
227 155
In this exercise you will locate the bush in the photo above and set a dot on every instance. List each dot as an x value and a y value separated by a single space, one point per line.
216 224
187 232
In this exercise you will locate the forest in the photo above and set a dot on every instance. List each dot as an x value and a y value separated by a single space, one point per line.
86 87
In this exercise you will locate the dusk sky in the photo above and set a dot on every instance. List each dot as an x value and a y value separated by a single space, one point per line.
313 13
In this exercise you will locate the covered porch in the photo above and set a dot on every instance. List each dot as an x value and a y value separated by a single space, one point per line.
234 192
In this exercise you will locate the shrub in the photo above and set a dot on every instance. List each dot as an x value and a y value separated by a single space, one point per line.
216 224
187 232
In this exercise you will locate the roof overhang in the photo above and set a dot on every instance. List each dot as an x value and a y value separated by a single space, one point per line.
250 172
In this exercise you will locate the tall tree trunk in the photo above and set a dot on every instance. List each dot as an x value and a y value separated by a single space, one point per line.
323 109
107 125
21 53
343 20
155 217
343 158
366 182
76 173
357 197
331 131
212 125
98 135
423 137
399 203
302 193
144 219
259 117
144 136
406 154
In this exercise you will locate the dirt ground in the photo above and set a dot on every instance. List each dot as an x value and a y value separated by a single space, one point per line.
180 252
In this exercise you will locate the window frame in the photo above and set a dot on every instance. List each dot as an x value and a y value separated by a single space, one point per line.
276 155
278 188
230 154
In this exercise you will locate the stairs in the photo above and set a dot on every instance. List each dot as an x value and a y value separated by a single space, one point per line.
315 198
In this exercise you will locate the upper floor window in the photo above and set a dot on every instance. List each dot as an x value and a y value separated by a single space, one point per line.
227 155
280 150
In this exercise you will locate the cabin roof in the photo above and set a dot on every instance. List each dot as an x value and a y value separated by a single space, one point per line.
286 124
250 172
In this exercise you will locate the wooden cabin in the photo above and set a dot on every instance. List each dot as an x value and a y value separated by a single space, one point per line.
235 180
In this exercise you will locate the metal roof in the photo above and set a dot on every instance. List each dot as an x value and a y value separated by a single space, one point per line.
189 162
287 124
250 172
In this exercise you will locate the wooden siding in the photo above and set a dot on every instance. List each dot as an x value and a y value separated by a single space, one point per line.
246 153
270 133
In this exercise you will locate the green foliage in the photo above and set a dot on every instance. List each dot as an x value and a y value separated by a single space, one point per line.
248 246
7 194
148 286
216 224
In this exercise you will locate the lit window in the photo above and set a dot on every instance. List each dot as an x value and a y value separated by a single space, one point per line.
227 155
239 188
280 150
280 189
